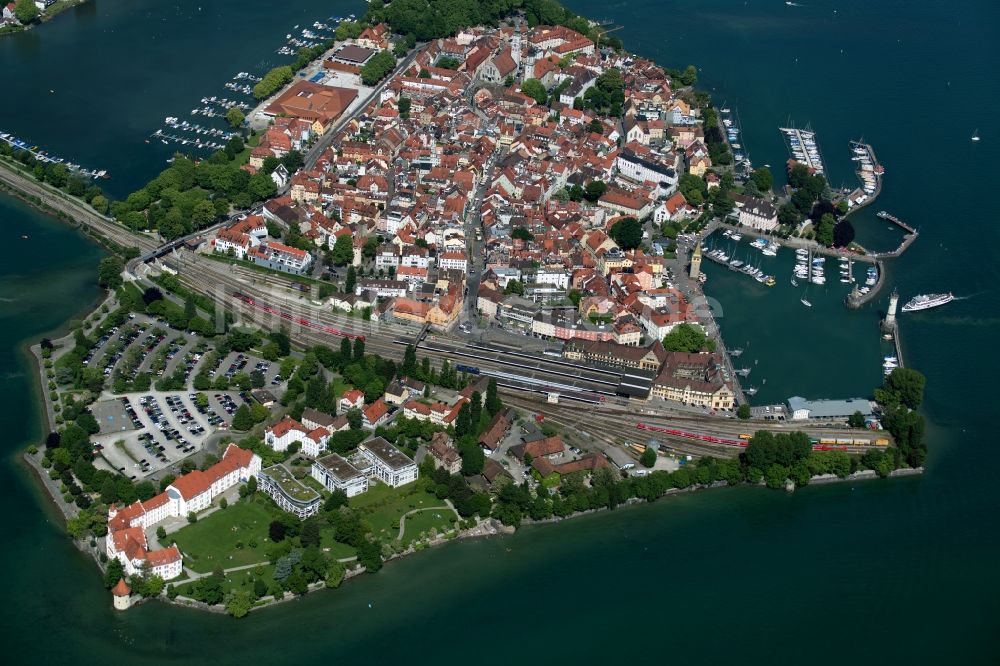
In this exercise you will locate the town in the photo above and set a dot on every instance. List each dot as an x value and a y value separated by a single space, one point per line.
468 296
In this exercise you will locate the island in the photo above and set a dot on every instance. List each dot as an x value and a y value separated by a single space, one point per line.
443 280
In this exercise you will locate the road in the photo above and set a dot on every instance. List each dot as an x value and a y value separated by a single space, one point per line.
313 154
474 224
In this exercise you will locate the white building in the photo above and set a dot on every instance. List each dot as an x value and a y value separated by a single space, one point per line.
453 261
282 434
389 464
288 493
756 213
336 473
189 493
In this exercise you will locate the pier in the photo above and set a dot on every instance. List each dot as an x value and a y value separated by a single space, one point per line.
911 235
856 299
792 242
802 145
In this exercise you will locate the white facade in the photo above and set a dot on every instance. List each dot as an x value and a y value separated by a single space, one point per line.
335 473
453 261
389 465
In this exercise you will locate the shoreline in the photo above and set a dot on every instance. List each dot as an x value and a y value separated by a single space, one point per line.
68 511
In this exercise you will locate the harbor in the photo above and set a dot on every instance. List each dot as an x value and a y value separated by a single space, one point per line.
802 145
239 92
869 172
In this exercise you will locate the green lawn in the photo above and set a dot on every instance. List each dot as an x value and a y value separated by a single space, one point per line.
236 580
211 542
382 506
423 521
334 549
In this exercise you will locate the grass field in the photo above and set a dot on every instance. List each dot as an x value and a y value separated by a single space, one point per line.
383 506
334 549
423 521
211 542
235 580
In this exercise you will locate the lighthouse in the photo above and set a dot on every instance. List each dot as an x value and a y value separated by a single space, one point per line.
889 323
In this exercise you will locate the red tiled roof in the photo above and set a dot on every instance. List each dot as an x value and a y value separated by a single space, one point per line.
121 589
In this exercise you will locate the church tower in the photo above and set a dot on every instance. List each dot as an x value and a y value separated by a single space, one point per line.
696 262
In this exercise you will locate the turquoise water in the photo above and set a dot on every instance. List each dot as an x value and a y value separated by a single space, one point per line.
882 572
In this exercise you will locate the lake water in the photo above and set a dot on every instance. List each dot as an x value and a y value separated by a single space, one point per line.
876 572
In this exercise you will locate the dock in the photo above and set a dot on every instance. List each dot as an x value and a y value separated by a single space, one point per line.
869 172
802 145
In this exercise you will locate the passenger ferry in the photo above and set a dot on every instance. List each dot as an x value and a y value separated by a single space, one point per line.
927 301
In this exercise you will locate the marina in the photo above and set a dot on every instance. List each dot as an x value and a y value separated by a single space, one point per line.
869 172
730 120
216 107
45 156
802 145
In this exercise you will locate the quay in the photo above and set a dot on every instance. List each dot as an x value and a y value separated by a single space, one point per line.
856 299
869 172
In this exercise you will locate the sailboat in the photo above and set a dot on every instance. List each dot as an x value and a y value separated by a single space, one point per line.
794 283
975 135
804 301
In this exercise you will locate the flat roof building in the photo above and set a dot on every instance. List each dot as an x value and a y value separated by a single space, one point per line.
800 409
336 473
389 464
353 55
288 492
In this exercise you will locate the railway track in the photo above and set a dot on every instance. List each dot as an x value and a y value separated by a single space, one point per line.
74 209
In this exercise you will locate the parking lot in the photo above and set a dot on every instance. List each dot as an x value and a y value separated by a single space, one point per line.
148 432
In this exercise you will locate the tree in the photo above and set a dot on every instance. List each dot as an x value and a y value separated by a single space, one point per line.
493 404
113 573
404 107
824 231
239 603
843 233
310 535
25 11
627 233
514 287
689 76
209 589
534 88
276 531
377 67
687 338
907 386
763 179
354 418
743 412
242 419
856 420
343 250
109 272
351 281
235 117
648 457
521 233
594 190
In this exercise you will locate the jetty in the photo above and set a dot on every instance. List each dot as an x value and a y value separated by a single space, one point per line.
911 235
802 145
869 172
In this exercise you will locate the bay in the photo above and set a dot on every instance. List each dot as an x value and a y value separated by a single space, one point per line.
868 572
